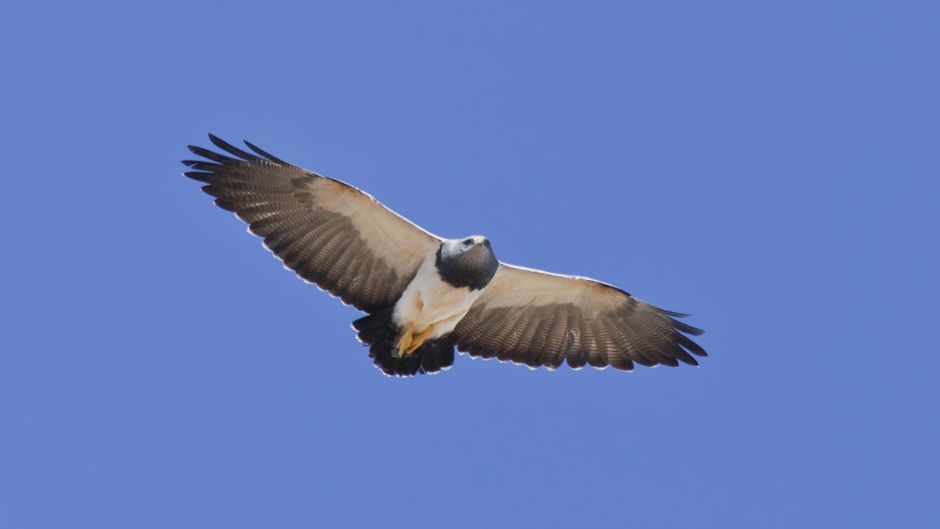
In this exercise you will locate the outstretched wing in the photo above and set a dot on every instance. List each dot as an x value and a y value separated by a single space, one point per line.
541 319
327 231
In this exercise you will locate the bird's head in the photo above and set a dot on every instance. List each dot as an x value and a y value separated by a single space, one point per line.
468 262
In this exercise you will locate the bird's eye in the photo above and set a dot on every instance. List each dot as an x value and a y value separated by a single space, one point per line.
467 242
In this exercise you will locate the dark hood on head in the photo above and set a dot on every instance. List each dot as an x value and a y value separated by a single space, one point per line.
467 263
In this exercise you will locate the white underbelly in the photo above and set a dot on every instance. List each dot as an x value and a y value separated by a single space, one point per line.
428 301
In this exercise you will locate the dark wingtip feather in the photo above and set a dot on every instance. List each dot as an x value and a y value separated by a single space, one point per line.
262 152
220 143
686 359
686 328
669 362
674 314
690 345
231 149
206 153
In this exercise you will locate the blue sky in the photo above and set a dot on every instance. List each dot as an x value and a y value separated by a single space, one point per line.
772 169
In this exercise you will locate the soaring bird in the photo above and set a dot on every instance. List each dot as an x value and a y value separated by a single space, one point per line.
425 295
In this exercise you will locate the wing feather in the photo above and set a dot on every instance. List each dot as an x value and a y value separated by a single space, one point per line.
540 319
554 346
325 230
577 355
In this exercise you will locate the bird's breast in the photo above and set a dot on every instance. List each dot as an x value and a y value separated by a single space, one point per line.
429 300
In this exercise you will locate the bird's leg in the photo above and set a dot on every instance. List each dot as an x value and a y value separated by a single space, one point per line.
418 340
405 341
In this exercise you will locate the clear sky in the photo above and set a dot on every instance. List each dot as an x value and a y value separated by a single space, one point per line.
771 169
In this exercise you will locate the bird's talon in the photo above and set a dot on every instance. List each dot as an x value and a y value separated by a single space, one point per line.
405 342
418 341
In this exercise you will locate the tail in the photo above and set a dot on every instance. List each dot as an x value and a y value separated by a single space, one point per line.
379 332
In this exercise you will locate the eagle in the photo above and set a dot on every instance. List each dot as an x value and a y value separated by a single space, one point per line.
425 296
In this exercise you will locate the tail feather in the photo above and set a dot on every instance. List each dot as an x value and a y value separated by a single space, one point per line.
379 332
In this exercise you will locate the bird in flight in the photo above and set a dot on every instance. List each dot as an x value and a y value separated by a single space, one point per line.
425 295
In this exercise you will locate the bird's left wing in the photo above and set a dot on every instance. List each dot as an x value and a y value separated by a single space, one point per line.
541 319
327 231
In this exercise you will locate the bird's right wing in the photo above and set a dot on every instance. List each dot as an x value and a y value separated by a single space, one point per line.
541 319
327 231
